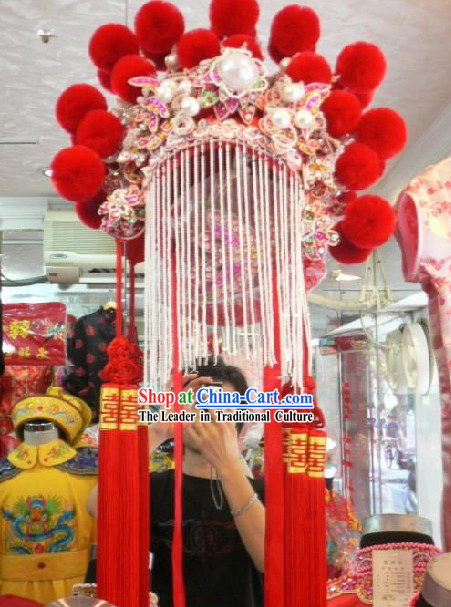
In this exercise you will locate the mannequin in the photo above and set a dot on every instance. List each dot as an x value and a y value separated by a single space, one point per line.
436 590
424 235
45 529
410 536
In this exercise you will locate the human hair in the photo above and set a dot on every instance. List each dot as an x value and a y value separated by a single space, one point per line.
218 371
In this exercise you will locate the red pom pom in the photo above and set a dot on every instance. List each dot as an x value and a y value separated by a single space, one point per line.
77 173
365 98
158 26
309 67
111 42
230 17
75 102
128 67
242 41
197 45
345 251
100 131
369 221
383 130
275 54
347 197
358 167
158 61
342 110
361 66
294 29
104 78
88 211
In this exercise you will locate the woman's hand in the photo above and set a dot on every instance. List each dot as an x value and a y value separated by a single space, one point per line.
160 432
217 442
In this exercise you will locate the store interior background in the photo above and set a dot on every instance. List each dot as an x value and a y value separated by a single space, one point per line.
34 222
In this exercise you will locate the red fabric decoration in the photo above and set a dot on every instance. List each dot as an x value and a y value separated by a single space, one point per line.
101 131
128 67
109 43
369 222
342 110
248 42
77 173
361 66
196 45
88 211
104 78
309 67
345 251
383 130
358 167
75 102
158 26
230 17
294 29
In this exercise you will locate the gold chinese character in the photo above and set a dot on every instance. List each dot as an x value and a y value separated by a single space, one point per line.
19 328
24 352
42 354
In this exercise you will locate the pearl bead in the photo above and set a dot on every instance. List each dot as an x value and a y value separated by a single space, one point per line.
184 87
166 91
281 118
285 62
171 61
292 93
190 106
238 71
303 119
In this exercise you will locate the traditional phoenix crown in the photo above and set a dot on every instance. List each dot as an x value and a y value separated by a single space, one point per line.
253 173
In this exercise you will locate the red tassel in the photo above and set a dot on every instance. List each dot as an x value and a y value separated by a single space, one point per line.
315 512
129 492
274 481
131 307
108 574
297 548
119 254
178 588
144 517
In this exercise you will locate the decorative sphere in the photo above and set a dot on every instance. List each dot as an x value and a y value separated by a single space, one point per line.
238 71
171 61
292 93
281 118
303 119
190 106
184 87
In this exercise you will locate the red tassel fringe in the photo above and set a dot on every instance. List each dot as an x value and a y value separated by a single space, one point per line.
108 575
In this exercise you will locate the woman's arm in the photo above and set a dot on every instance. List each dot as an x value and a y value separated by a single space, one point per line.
217 442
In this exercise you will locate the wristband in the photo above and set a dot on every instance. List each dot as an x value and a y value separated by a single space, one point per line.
245 508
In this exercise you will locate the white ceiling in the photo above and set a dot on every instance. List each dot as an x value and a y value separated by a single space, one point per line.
414 34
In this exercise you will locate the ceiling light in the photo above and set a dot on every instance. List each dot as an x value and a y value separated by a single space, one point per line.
340 276
47 171
45 34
